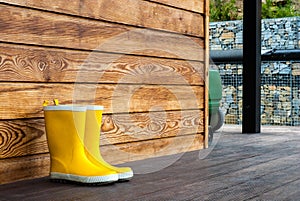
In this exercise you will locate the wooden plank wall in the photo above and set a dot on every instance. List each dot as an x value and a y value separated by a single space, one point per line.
144 60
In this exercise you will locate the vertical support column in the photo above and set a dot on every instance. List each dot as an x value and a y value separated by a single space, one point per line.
251 66
206 112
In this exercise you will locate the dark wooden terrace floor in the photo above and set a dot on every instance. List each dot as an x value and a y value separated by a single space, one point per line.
262 166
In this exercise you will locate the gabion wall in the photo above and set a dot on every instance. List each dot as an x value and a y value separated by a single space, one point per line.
281 33
280 84
280 93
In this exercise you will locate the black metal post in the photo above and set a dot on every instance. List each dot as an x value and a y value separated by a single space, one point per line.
251 66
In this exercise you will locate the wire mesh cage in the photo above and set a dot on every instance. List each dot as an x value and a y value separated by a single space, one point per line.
280 92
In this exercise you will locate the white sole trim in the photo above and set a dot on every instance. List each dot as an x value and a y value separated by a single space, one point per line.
85 179
125 176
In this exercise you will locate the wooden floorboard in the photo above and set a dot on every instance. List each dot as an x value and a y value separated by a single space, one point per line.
239 167
286 191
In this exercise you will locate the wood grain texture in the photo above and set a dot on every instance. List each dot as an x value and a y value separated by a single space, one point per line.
28 167
144 61
126 152
32 64
15 169
123 128
24 100
28 137
247 167
192 5
22 137
206 77
131 12
28 26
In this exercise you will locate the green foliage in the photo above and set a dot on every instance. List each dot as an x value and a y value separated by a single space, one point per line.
223 10
271 9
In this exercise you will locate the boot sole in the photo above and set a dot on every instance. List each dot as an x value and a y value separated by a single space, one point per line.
125 176
63 181
90 180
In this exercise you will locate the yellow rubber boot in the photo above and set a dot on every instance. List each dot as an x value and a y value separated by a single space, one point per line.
65 127
92 142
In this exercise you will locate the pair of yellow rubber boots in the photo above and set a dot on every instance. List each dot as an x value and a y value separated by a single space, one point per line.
73 135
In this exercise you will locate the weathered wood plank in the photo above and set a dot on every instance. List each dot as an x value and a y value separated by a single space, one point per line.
257 173
284 191
259 170
27 137
294 195
32 64
192 5
20 25
131 12
135 127
269 176
212 167
239 174
153 106
22 137
216 188
206 64
133 151
38 165
24 100
15 169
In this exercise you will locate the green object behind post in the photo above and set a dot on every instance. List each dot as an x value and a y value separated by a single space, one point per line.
216 116
215 91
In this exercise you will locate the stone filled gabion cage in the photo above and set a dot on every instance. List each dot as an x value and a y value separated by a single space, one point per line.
280 80
280 92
